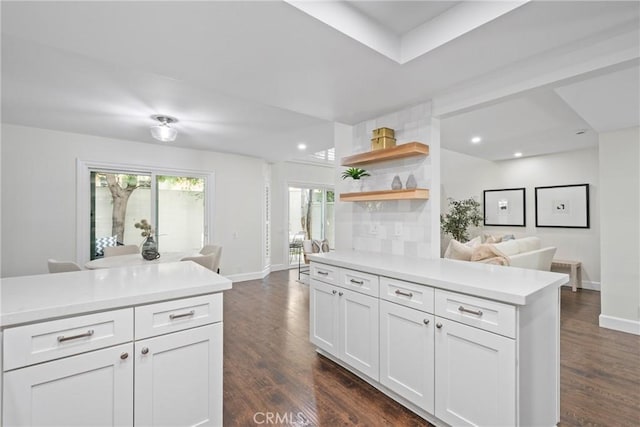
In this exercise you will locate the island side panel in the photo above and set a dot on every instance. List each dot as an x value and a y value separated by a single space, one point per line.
539 359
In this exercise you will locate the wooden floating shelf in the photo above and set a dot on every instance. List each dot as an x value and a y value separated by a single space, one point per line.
410 149
369 196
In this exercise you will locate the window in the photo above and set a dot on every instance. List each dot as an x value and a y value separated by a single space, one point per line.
177 205
311 216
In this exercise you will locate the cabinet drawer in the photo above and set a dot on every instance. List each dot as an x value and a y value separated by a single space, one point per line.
489 315
325 273
358 281
409 294
40 342
171 316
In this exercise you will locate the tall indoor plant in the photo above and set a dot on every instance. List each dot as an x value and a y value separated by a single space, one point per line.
461 215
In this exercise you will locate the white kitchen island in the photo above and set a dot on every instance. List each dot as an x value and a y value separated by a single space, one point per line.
86 348
458 343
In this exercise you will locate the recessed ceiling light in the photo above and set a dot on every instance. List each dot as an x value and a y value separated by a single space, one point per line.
476 140
302 146
518 154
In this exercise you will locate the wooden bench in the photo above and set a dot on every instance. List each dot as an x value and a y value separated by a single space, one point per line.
575 277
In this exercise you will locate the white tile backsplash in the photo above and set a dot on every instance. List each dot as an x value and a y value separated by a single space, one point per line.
412 124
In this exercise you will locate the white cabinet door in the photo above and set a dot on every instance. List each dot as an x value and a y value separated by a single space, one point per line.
323 316
91 389
358 335
407 353
178 378
475 376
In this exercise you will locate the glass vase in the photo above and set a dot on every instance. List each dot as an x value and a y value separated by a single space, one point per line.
150 249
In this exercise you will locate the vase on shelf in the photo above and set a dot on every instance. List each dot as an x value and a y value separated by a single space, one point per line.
411 182
150 249
396 184
356 185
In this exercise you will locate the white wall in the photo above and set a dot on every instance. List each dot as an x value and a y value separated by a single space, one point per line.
465 176
39 195
283 174
373 225
620 242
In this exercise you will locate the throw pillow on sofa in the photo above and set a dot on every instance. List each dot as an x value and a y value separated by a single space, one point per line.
508 248
461 251
320 246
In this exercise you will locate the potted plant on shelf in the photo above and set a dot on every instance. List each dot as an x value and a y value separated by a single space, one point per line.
356 174
462 214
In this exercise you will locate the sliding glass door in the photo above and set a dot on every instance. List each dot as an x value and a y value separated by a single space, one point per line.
311 217
174 205
181 213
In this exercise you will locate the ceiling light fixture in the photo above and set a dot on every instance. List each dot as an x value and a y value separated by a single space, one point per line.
518 154
476 140
302 146
163 132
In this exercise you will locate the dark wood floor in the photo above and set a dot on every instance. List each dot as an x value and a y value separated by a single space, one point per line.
272 375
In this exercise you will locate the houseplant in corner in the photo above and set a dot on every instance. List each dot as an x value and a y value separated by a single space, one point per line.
462 214
356 174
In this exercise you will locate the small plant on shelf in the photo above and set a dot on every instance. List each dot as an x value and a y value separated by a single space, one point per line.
354 173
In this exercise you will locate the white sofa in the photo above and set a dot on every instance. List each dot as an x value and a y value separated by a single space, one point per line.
527 253
524 253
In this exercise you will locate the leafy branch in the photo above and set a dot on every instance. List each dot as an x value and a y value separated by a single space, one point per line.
462 214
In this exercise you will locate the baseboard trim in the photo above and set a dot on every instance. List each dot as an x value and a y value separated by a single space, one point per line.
279 267
592 286
619 324
257 275
244 277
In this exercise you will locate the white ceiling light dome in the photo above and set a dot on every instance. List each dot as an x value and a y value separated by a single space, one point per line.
163 132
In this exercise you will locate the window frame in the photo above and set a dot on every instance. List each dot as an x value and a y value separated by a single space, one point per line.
306 186
83 197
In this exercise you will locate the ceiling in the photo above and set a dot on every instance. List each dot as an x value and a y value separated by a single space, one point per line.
258 78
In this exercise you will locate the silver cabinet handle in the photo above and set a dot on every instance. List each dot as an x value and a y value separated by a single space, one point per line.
357 282
323 273
426 321
62 338
334 291
177 316
406 294
341 293
438 325
466 310
124 356
145 350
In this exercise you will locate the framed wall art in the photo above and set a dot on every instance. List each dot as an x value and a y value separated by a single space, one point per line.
564 206
505 207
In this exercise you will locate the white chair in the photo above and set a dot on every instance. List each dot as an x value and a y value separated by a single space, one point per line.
216 251
62 266
120 250
203 260
295 246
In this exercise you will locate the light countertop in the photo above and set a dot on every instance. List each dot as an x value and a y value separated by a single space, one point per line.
505 284
41 297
